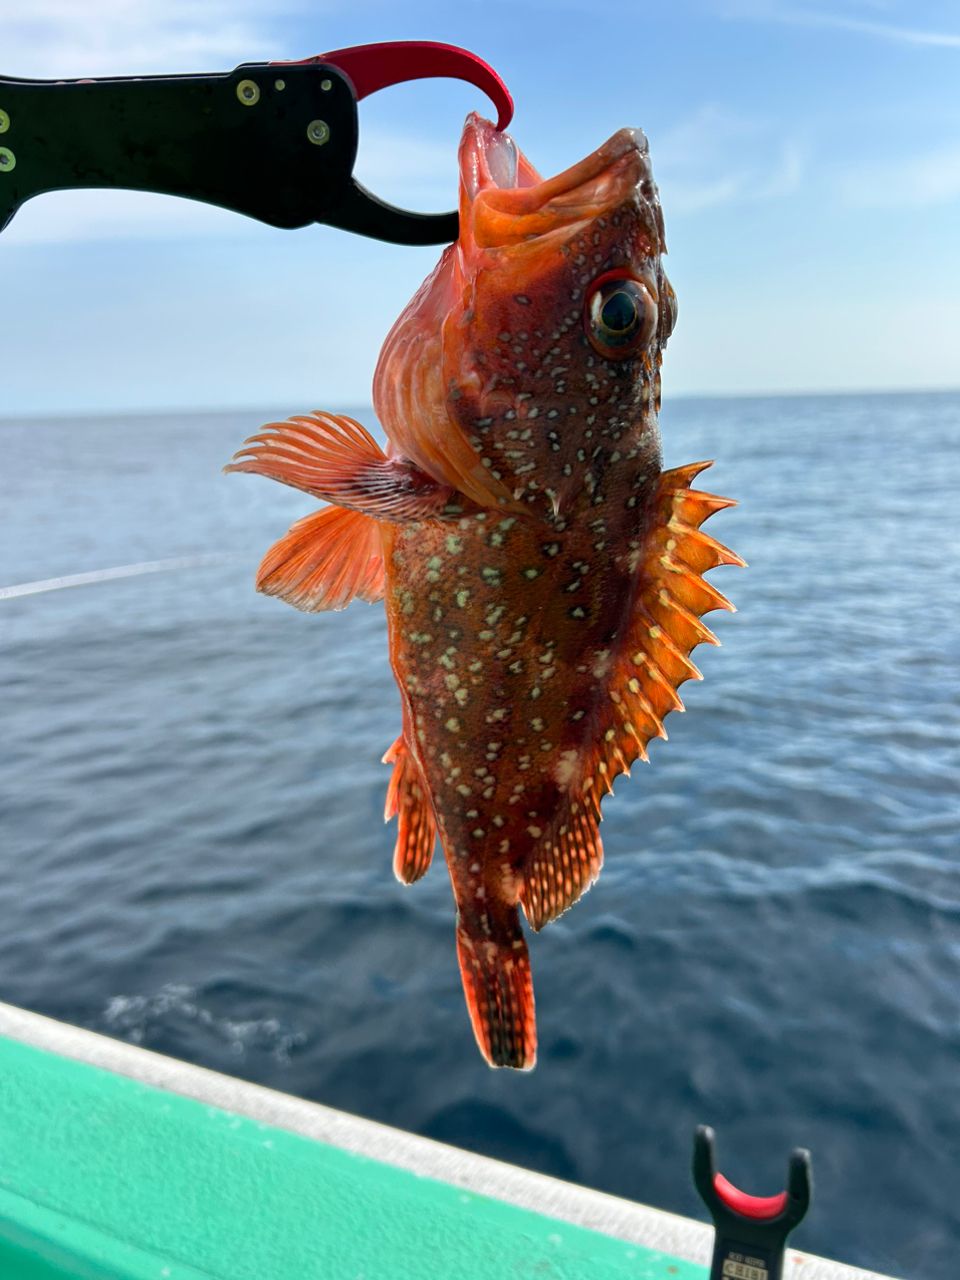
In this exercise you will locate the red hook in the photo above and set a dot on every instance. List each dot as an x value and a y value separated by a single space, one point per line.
376 66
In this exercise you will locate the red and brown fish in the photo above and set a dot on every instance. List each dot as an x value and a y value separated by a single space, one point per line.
542 574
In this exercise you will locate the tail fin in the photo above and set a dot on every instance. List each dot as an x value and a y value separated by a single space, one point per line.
499 991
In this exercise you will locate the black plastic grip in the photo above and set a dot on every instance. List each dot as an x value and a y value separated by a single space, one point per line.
274 142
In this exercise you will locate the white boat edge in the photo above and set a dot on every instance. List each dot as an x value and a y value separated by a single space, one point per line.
635 1223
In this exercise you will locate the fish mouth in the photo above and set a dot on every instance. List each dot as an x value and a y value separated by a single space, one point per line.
503 200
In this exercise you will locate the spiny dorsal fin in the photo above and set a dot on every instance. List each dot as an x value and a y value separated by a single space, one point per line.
325 561
642 686
666 626
407 799
332 457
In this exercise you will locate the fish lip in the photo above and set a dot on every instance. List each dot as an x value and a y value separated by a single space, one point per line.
617 169
485 150
626 149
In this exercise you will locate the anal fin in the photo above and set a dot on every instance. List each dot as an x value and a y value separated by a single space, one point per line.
407 799
563 865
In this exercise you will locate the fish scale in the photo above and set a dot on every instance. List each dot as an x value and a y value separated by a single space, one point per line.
485 657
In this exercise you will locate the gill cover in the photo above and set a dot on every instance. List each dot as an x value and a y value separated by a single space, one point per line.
513 225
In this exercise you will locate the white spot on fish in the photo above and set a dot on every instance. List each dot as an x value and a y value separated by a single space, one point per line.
601 663
566 767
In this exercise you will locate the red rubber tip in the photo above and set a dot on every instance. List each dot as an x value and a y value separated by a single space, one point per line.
749 1206
375 66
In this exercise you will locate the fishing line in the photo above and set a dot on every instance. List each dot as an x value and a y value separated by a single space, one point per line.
120 571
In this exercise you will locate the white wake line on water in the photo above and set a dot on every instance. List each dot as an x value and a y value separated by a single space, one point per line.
119 571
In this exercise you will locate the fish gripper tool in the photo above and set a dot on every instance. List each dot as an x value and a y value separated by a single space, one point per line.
751 1231
276 141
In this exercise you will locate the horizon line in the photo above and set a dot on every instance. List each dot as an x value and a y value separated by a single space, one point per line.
249 407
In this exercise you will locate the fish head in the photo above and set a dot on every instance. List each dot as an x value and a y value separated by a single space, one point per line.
535 346
554 350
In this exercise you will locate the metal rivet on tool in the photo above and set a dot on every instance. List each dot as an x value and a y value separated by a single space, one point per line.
318 131
326 85
4 122
248 92
279 84
8 161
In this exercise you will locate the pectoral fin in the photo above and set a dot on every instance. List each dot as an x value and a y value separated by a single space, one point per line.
334 458
325 561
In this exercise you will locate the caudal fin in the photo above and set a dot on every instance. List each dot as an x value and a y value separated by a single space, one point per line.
499 991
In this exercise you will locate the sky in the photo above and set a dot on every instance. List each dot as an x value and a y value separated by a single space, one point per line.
807 153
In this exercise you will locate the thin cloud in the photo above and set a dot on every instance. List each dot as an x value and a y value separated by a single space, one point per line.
55 38
408 170
716 157
929 179
801 15
62 217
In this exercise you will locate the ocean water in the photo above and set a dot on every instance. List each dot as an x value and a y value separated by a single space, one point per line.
193 858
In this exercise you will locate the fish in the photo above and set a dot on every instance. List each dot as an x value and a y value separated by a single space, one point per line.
542 574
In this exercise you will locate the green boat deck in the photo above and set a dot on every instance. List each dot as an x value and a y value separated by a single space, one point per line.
119 1164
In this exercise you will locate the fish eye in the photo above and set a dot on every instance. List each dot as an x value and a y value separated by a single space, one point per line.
621 316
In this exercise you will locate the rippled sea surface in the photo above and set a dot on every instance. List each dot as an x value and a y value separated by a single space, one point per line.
193 857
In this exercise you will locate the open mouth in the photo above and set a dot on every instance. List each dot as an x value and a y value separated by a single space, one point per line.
506 200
